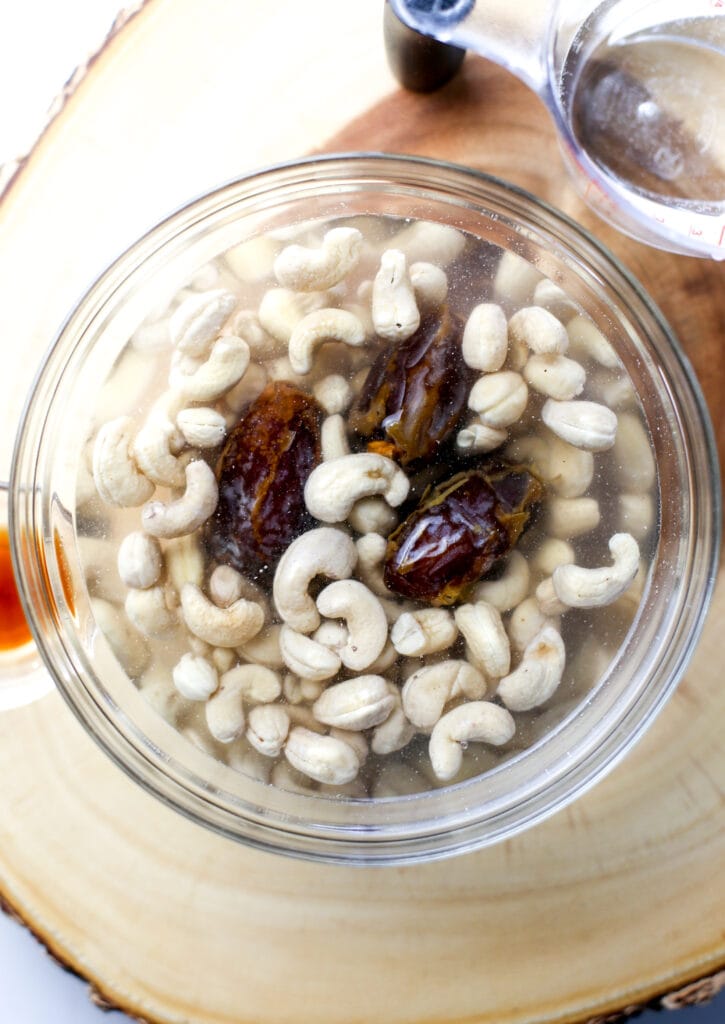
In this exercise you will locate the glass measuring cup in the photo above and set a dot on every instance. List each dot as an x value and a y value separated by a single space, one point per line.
636 90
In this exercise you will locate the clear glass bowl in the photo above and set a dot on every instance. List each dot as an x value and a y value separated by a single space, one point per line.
529 786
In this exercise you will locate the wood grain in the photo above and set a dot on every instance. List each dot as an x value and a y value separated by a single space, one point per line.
608 905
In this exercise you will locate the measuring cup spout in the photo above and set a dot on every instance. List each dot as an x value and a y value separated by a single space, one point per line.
509 32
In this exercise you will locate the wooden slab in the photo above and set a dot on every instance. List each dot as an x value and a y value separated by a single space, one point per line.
611 903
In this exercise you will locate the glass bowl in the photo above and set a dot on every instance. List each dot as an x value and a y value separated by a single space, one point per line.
597 729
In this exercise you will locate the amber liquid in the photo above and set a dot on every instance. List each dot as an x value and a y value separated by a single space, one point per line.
14 630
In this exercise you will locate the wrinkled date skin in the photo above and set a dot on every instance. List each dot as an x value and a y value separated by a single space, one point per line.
262 472
415 393
459 531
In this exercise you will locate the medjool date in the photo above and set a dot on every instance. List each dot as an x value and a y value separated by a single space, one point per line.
262 472
415 392
458 532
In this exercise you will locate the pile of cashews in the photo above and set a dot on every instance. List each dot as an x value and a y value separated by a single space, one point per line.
304 684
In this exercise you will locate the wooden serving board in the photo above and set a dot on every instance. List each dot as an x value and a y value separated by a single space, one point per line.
608 905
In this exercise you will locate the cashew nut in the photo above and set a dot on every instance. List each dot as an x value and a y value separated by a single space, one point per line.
364 617
199 319
372 515
263 649
571 517
225 367
224 712
333 393
551 553
394 309
476 437
429 240
267 729
371 548
333 487
539 330
318 327
483 630
127 644
592 588
307 658
538 675
636 514
430 284
584 424
510 588
187 513
308 270
255 683
116 475
555 299
499 398
321 552
152 449
547 600
426 631
148 611
220 627
427 691
567 470
555 376
515 278
354 704
484 345
333 438
201 427
184 561
323 758
194 677
281 310
527 620
396 731
588 341
139 560
473 722
632 453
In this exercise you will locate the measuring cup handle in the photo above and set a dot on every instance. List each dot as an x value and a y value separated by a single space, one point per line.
419 62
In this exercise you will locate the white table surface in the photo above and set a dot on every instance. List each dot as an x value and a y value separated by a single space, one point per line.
41 43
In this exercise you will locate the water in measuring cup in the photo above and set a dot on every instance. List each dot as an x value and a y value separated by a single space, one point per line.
648 107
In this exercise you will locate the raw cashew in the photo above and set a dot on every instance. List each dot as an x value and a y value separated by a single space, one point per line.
476 437
226 586
201 427
198 320
428 690
149 611
152 449
551 553
555 376
499 398
354 704
371 548
429 240
372 515
187 513
584 424
267 729
127 644
356 740
527 620
567 470
318 327
116 475
194 677
246 390
396 731
554 299
592 588
308 270
510 588
636 514
538 675
515 278
256 683
333 438
547 600
323 758
224 713
426 631
224 368
571 517
394 309
220 627
364 617
321 552
139 560
184 561
473 722
484 632
333 393
632 454
430 284
307 658
588 341
281 310
333 487
540 330
484 345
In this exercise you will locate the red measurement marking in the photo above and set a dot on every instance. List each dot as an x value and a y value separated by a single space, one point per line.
695 232
722 236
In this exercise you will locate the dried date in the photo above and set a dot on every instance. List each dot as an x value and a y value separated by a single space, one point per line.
415 392
458 532
262 472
